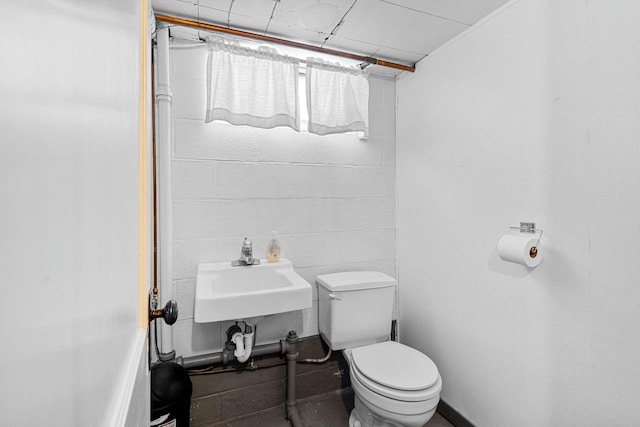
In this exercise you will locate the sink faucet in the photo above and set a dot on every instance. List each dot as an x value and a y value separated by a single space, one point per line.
246 255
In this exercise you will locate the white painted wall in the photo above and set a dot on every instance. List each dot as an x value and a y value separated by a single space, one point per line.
71 342
331 199
530 115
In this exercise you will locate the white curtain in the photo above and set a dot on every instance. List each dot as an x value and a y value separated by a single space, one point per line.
251 87
337 98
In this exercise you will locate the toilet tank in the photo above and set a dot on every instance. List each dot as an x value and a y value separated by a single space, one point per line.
355 308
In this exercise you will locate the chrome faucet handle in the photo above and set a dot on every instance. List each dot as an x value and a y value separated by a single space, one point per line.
247 247
246 255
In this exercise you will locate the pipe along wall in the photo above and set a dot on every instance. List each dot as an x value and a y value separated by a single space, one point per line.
287 347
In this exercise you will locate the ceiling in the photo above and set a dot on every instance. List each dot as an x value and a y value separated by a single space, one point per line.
401 31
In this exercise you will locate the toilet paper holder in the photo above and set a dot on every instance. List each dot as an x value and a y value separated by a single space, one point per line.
528 227
521 247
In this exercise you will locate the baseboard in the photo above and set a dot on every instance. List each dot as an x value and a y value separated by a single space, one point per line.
453 416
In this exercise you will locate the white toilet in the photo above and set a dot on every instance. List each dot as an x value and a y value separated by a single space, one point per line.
394 385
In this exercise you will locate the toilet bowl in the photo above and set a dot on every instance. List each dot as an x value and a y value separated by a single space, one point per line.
394 384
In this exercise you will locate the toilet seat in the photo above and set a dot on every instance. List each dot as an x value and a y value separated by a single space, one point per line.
390 403
383 405
395 378
392 393
395 370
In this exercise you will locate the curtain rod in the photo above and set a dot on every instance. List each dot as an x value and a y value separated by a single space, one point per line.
205 26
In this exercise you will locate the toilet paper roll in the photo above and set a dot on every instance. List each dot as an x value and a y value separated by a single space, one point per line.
520 248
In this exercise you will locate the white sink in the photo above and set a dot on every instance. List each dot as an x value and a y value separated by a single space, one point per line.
224 292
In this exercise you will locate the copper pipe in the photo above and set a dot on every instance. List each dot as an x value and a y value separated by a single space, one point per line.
154 314
211 27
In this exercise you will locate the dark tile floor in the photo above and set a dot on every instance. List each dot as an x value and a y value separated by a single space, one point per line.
327 410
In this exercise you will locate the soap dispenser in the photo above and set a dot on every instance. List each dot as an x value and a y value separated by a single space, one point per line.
273 249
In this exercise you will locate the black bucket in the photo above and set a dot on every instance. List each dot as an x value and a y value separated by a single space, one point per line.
170 395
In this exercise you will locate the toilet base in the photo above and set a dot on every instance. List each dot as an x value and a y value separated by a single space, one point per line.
362 416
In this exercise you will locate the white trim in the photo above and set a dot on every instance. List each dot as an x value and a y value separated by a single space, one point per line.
128 404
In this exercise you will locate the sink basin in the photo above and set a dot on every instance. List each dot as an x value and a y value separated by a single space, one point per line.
224 292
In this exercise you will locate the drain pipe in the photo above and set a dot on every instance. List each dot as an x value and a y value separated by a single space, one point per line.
287 347
226 356
163 99
243 341
291 354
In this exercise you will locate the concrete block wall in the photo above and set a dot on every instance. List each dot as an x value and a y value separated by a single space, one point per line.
331 199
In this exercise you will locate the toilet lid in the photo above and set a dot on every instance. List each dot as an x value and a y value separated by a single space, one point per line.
395 365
